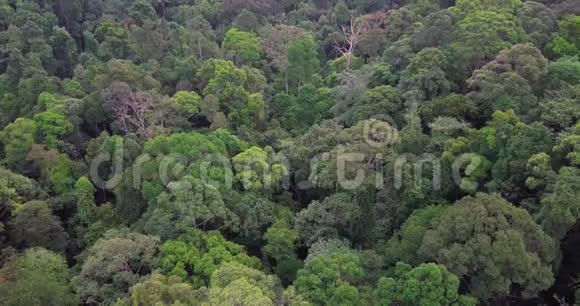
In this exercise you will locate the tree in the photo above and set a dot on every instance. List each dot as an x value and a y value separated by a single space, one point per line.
400 22
196 255
85 191
504 147
492 246
560 210
15 190
237 284
157 289
141 11
567 42
568 144
233 87
424 78
281 241
276 42
481 34
52 127
247 21
427 284
38 277
150 40
186 101
538 21
113 40
281 244
239 292
509 81
309 106
380 100
114 264
351 37
256 171
57 170
134 112
330 279
65 51
33 224
197 37
189 203
564 71
253 214
403 246
303 61
455 106
242 47
336 216
560 111
436 31
17 139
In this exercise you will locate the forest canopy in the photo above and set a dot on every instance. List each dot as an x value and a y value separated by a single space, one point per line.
289 152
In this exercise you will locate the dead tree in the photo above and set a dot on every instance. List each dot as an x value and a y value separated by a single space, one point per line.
352 36
133 113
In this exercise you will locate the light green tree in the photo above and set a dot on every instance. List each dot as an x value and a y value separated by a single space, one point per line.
85 191
242 47
427 284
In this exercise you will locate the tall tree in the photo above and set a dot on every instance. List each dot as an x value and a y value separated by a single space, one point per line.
492 246
85 191
303 61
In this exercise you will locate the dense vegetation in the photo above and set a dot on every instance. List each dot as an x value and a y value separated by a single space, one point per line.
262 152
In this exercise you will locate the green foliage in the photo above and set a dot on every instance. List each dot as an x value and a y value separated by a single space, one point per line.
237 284
281 241
253 214
186 101
52 127
509 80
17 139
116 262
158 289
568 144
402 247
336 216
281 244
16 189
567 43
188 203
309 106
454 105
504 147
424 78
85 191
330 280
302 61
256 171
34 225
481 34
38 277
242 47
427 284
560 210
494 243
196 255
295 130
564 71
378 101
